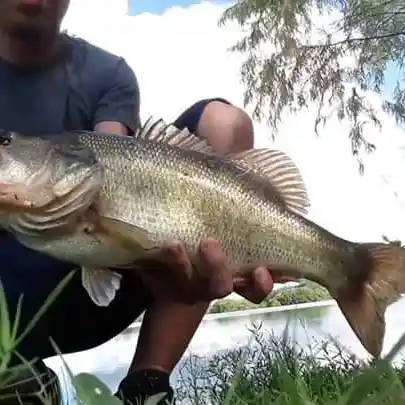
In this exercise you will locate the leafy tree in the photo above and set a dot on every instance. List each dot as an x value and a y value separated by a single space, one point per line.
299 72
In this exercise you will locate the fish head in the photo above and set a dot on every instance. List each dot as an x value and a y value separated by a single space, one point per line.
38 170
21 156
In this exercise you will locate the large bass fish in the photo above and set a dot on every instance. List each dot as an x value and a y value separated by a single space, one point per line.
103 201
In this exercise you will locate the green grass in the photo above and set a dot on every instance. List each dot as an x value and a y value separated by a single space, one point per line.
271 371
89 390
310 292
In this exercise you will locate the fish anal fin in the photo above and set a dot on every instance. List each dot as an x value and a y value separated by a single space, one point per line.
278 170
101 285
129 237
156 130
364 308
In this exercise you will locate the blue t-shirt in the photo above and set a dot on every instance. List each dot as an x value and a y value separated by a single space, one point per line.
88 85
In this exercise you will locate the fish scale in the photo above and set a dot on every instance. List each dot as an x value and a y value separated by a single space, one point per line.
168 186
104 202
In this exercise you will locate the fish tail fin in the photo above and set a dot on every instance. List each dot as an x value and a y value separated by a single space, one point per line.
364 308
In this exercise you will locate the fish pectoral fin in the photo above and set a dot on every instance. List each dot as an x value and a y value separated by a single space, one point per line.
130 237
279 171
365 308
101 285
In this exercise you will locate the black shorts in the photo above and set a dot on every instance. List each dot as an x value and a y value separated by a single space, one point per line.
190 118
74 322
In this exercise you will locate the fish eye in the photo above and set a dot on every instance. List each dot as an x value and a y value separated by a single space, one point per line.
5 137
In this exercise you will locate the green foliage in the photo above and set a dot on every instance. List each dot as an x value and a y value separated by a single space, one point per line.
270 370
276 371
293 58
10 338
230 305
310 292
89 389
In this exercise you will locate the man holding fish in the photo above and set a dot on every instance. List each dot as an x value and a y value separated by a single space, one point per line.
52 83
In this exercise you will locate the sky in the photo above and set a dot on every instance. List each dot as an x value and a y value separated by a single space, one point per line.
136 7
180 56
392 76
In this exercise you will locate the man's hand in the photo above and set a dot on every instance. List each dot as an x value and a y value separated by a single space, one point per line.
255 286
172 274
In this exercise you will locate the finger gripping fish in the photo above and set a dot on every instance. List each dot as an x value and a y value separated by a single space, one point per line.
102 201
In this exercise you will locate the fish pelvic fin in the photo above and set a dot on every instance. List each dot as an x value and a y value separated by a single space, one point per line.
364 309
101 285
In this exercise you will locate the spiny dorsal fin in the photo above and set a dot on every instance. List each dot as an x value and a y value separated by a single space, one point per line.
273 166
156 130
151 126
280 171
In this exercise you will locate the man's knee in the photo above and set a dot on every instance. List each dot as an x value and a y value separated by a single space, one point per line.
227 127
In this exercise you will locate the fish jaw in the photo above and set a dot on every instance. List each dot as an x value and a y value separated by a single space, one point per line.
20 197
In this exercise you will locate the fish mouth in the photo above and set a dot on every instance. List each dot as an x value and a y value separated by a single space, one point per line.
20 197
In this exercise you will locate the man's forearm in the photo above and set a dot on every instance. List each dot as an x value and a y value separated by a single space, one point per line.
166 331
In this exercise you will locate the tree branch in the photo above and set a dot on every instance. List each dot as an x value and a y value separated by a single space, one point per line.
363 39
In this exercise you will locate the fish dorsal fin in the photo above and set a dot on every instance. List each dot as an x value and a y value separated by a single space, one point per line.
157 130
279 170
273 166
